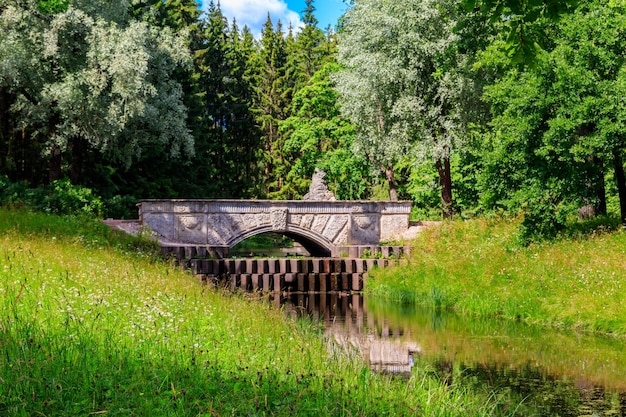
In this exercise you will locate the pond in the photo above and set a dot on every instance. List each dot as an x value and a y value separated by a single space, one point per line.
548 372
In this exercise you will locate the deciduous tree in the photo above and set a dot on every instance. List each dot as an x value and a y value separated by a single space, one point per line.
98 81
404 84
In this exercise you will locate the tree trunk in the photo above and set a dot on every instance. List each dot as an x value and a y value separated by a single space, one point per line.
76 169
600 188
391 179
6 100
54 172
445 178
620 178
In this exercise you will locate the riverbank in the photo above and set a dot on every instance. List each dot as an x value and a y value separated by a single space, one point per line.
480 268
93 323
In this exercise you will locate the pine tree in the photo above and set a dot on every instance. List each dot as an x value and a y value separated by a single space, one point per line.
213 71
272 103
241 127
310 44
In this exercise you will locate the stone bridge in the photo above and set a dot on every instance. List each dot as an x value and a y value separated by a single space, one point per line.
324 228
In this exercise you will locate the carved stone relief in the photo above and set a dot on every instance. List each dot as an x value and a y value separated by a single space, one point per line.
263 219
334 226
279 219
219 229
307 221
364 230
392 226
191 228
295 219
319 223
160 223
236 222
342 237
250 221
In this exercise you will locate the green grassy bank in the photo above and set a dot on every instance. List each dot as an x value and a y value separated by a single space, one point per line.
92 323
479 268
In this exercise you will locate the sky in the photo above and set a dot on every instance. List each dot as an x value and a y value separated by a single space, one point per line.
254 12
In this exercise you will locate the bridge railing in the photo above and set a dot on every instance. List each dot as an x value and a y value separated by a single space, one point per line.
327 224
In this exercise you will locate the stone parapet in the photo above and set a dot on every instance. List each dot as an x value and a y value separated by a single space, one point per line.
322 226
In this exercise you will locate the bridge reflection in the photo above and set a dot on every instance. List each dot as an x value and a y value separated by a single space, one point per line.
385 348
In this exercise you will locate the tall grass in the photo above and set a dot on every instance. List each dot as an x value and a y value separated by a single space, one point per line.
479 267
91 323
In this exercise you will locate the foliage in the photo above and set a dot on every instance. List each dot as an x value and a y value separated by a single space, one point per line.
53 6
556 127
404 86
524 37
65 198
319 137
154 99
95 81
288 63
60 197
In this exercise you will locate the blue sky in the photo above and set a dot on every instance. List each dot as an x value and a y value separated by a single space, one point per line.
254 12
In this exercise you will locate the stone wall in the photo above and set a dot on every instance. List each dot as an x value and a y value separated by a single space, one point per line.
329 224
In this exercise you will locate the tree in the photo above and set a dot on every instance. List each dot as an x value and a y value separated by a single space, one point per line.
523 20
242 128
310 39
559 125
273 102
318 137
98 81
403 84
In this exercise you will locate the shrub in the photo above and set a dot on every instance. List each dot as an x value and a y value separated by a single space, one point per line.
121 207
65 198
545 218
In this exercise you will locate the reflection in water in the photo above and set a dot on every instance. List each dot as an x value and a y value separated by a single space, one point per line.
269 252
383 347
548 372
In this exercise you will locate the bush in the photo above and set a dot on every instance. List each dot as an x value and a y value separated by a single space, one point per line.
60 197
545 218
65 198
19 193
121 207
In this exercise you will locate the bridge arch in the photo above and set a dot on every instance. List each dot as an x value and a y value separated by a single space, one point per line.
314 243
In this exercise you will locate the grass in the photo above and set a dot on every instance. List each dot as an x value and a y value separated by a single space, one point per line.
93 323
479 268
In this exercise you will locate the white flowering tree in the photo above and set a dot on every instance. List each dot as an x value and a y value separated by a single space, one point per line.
403 84
89 78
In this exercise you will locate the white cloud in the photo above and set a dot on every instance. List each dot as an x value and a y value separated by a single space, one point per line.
254 13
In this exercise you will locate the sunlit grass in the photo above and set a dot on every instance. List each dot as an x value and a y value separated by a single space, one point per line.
478 267
91 323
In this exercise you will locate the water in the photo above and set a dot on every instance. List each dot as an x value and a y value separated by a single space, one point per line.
265 252
551 373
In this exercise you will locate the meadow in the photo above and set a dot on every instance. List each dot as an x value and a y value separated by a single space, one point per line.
480 267
94 322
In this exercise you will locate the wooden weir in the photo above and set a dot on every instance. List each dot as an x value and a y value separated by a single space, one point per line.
289 274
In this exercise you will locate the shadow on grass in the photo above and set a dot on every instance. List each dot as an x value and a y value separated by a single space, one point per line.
67 374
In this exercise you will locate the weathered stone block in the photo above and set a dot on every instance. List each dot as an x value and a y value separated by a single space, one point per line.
364 230
335 225
162 224
319 223
393 226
